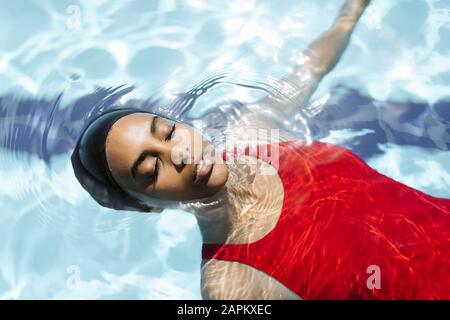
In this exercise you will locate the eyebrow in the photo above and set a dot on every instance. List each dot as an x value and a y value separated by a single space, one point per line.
153 125
145 154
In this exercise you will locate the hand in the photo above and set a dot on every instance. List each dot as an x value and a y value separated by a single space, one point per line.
351 11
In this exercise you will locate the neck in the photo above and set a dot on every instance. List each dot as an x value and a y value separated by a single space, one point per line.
213 216
218 215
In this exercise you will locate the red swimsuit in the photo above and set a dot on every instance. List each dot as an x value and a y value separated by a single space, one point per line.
340 218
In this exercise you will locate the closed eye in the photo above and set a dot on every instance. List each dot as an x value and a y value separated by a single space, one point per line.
169 136
152 177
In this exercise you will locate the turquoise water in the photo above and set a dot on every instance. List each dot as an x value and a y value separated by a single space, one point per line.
56 242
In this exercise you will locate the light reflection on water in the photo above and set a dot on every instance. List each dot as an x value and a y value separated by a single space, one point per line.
49 223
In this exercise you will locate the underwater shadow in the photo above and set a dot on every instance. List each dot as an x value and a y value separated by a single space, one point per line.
42 127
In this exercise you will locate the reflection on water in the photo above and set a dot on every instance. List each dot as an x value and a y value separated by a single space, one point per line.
38 134
49 223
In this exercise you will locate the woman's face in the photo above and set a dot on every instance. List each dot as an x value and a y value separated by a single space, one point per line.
153 156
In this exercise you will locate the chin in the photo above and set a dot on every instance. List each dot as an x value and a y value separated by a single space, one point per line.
218 178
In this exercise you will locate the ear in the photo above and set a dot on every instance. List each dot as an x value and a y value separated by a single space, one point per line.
152 209
157 210
141 205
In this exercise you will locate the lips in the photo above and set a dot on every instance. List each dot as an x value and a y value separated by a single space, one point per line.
201 170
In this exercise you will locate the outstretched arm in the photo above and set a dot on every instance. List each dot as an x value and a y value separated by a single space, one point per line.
319 58
324 53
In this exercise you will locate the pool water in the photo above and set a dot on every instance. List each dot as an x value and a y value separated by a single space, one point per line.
388 101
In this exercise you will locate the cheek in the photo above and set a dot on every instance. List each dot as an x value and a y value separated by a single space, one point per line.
182 135
172 186
186 137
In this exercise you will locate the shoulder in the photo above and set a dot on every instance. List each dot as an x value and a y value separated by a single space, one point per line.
234 280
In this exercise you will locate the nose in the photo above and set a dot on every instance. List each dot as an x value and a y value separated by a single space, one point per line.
176 154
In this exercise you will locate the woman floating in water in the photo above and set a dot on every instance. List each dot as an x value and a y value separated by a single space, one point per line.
281 218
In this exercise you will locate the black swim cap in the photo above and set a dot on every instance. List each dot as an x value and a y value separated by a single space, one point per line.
91 168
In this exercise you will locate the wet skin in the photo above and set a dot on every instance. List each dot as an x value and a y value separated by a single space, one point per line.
131 136
152 156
